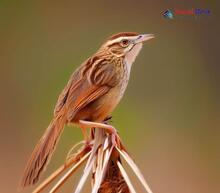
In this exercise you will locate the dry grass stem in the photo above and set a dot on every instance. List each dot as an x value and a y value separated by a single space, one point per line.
103 154
69 162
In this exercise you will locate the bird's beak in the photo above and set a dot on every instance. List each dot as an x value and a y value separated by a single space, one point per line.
143 38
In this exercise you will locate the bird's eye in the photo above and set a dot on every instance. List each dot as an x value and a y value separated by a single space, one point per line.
124 43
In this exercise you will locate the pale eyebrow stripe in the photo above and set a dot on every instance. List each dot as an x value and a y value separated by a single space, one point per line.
121 38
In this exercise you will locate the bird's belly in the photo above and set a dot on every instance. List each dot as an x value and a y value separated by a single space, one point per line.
101 108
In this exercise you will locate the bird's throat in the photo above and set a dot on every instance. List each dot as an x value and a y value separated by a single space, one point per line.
132 54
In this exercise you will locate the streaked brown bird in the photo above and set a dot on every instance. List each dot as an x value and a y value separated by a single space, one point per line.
90 96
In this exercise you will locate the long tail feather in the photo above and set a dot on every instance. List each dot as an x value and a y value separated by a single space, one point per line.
43 151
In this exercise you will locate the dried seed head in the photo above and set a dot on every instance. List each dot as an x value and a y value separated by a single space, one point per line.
113 182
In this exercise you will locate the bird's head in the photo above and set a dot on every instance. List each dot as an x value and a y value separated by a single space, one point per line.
126 44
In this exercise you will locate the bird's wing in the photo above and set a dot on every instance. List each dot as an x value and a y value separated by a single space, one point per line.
64 95
74 83
96 82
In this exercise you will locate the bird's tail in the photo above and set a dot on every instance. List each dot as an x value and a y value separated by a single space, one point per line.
43 152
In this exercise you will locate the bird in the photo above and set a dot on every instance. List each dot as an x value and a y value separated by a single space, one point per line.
90 96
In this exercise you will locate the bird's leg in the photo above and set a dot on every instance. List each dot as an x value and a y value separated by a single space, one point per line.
88 124
106 120
84 132
108 128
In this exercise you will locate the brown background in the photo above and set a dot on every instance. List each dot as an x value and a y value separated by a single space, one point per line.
169 118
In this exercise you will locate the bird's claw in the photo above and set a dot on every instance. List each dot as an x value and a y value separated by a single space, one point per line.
115 138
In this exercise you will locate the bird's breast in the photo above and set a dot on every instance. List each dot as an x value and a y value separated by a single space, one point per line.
125 77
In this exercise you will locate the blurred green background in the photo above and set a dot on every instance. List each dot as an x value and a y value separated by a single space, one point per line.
169 117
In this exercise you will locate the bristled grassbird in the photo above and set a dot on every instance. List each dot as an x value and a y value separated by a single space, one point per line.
90 96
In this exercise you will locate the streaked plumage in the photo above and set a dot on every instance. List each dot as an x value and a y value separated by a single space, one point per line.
92 93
